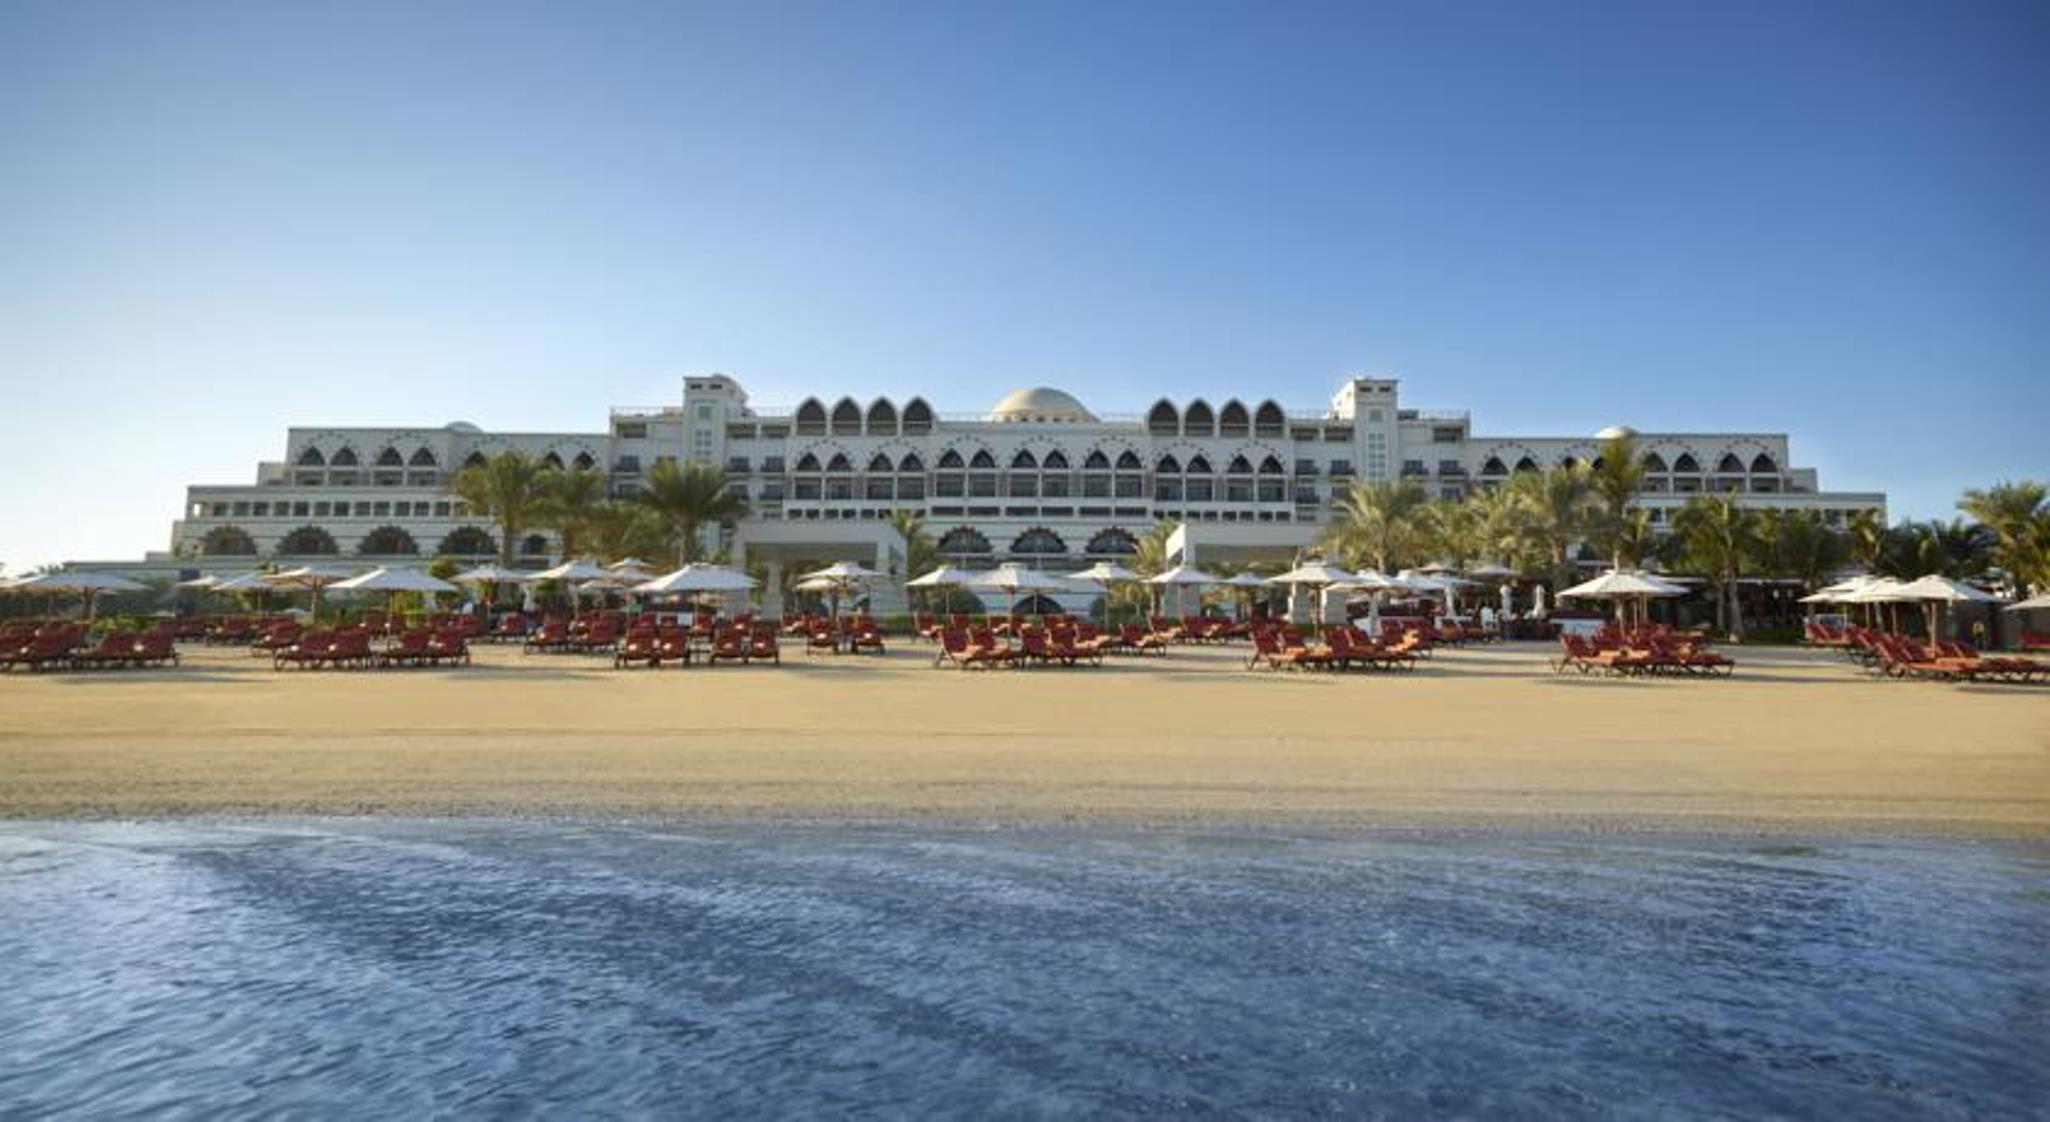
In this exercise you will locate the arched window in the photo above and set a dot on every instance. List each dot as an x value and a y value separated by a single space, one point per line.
910 462
227 541
839 463
422 458
1198 420
551 460
951 459
1054 461
1569 462
1526 464
467 541
344 458
962 541
387 541
1233 420
534 545
1730 465
1239 465
1654 463
1129 461
1494 466
982 460
311 457
811 418
1024 461
1269 420
1113 542
1686 465
584 462
308 541
917 417
475 460
879 463
1168 465
1199 465
807 462
390 458
1038 542
846 418
1762 464
1097 461
1272 466
882 418
1162 420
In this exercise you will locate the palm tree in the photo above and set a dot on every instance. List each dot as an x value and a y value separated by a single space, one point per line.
508 489
1801 545
1868 537
1617 477
689 497
2018 514
1148 559
921 553
1956 548
625 529
1379 522
570 503
1557 506
1452 529
1719 539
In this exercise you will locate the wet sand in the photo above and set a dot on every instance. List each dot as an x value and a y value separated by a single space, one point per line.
1487 738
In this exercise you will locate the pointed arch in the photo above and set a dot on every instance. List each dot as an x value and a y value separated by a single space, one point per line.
1526 464
1239 465
910 463
811 418
1762 464
1128 460
1096 461
467 541
1233 420
917 417
1199 464
1023 460
962 541
1654 463
1054 461
308 541
476 460
1494 466
1686 465
950 460
1112 542
388 457
344 456
1162 420
1167 465
227 541
311 457
839 463
882 418
1729 465
879 463
808 462
982 460
1198 420
583 462
388 541
1269 420
551 460
1272 466
1038 541
422 457
846 418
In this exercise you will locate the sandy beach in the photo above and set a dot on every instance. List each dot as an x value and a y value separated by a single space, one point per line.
1481 737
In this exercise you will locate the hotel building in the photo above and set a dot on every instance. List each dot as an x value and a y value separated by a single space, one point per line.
1038 477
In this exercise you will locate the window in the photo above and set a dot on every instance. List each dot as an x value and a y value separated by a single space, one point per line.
632 430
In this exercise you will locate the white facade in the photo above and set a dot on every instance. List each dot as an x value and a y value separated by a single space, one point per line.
1038 477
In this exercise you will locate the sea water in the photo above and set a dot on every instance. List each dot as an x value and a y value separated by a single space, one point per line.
380 968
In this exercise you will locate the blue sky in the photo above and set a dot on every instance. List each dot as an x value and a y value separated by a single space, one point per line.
217 220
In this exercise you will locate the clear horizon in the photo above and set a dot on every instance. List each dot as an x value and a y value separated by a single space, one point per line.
221 220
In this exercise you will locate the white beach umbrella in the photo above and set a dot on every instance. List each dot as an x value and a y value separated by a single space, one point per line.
1623 587
201 582
1491 571
1103 574
89 585
1878 591
632 563
573 572
492 574
846 572
2032 604
698 578
1316 576
391 582
1011 579
1373 582
1937 592
946 576
313 577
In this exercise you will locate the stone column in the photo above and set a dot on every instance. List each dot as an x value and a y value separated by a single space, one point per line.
772 589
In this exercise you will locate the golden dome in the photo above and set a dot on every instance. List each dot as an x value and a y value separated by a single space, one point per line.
1040 404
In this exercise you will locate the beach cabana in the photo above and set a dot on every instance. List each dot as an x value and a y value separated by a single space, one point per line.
1878 591
1624 587
575 576
837 580
1103 575
1011 579
946 576
697 579
1182 577
1937 593
1249 585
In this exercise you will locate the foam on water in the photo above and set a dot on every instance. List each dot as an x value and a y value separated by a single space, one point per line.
388 968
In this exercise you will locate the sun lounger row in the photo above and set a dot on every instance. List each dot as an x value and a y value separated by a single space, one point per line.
982 648
64 646
1343 648
1656 655
1900 657
351 648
